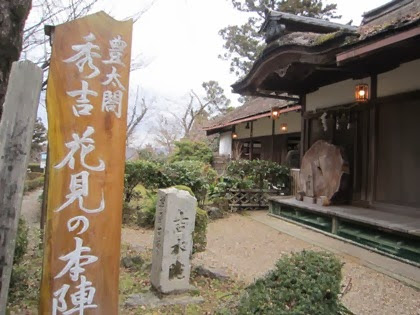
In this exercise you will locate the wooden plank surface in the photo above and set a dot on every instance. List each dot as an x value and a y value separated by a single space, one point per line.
404 221
87 97
16 130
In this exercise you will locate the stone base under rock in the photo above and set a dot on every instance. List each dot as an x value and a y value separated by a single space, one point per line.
151 300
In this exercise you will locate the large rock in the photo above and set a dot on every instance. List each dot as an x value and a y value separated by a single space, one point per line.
325 172
211 273
214 212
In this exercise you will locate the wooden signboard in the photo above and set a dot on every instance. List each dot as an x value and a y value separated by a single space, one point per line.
87 106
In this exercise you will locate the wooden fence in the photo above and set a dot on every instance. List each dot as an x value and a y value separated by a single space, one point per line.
250 199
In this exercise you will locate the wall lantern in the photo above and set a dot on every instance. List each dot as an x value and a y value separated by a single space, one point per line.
247 125
362 93
283 127
275 112
234 135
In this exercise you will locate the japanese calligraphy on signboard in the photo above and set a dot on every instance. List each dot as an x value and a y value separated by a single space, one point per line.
87 97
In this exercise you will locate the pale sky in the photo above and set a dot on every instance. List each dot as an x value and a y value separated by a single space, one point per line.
179 40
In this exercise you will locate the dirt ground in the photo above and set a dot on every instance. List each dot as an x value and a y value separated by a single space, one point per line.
247 249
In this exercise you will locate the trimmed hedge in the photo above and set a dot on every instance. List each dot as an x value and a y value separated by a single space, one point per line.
33 175
33 184
187 150
255 174
34 167
304 283
194 174
200 231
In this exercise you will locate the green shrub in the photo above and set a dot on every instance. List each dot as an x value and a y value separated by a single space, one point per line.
143 172
256 174
21 245
146 215
186 188
304 283
129 212
25 280
149 154
33 184
194 174
263 174
200 231
187 150
222 203
18 279
33 175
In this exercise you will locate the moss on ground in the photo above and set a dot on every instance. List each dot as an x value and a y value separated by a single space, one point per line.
216 293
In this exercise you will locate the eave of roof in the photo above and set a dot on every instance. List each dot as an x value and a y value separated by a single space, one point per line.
294 22
320 48
252 118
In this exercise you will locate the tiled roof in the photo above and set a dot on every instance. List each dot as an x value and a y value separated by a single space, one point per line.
251 108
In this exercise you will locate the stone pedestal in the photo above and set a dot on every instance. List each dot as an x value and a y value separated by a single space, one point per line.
172 247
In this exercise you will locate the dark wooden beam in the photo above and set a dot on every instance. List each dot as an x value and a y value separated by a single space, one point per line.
360 51
279 97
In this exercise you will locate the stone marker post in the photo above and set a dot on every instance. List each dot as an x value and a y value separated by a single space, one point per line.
16 130
172 246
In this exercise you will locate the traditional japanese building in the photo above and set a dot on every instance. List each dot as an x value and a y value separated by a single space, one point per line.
359 89
249 132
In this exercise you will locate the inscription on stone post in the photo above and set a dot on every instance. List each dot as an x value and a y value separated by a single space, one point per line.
172 247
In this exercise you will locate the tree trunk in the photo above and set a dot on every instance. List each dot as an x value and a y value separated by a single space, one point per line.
13 15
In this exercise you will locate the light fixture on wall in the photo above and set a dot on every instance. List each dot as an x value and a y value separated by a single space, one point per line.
275 112
234 135
283 127
362 93
247 125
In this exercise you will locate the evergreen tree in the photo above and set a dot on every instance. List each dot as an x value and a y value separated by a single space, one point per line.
38 139
243 44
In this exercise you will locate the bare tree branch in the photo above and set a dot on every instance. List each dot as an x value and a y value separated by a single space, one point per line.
166 133
138 112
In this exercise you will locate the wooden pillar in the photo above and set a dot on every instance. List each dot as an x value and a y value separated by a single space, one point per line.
273 131
251 144
334 228
304 127
373 134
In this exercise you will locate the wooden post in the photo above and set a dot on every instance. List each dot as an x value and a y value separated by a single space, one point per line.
304 127
334 226
373 132
273 131
251 142
87 98
16 130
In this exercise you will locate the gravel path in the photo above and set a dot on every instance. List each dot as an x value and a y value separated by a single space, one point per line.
247 249
31 207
